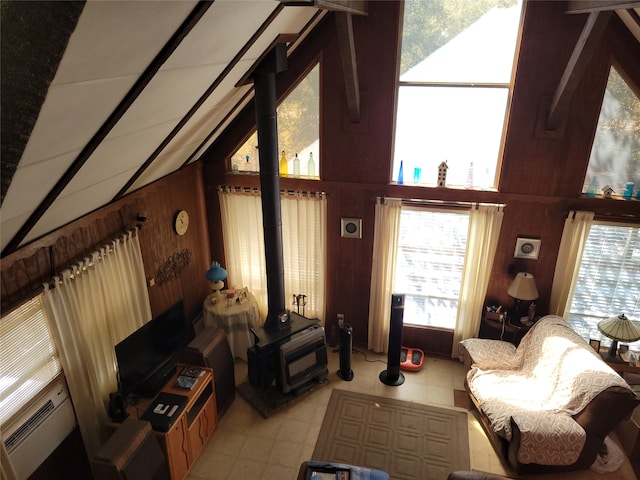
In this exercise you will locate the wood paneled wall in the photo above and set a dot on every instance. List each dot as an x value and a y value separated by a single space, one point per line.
541 176
27 268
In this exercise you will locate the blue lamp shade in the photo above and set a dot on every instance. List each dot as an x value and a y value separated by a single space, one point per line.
216 273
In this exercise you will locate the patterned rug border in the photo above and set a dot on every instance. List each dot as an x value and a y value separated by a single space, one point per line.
393 456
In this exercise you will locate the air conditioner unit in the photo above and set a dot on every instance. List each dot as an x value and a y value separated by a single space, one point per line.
35 434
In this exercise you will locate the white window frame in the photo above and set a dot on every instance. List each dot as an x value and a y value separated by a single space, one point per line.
421 169
589 329
412 306
239 164
28 356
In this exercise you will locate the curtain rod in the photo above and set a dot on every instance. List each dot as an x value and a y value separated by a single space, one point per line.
440 203
40 287
256 191
79 265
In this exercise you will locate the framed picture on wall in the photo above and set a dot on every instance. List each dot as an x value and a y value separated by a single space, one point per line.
527 248
595 344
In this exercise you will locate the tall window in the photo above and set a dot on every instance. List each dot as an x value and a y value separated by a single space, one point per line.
615 155
298 131
609 280
304 220
28 356
429 264
455 79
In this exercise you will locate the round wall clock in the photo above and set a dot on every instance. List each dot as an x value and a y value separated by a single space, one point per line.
181 222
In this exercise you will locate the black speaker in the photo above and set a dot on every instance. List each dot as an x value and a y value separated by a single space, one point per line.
210 348
117 407
346 343
392 375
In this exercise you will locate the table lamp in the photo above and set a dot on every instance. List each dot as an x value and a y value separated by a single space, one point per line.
216 274
618 329
522 288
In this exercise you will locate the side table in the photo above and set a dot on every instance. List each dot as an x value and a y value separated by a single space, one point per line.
498 330
620 366
236 320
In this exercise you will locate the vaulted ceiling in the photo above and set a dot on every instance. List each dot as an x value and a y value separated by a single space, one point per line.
104 97
141 90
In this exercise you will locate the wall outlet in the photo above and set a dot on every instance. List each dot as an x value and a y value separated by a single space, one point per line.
341 319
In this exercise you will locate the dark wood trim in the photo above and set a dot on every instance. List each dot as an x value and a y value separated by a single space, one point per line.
229 115
285 38
230 66
302 61
198 11
588 6
588 42
356 7
247 110
347 49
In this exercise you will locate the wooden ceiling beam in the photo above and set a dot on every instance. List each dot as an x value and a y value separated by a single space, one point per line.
589 6
356 7
347 50
585 47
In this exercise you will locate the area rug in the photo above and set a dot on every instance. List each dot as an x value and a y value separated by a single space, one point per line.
405 439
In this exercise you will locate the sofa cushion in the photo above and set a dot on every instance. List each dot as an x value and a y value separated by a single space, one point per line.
549 439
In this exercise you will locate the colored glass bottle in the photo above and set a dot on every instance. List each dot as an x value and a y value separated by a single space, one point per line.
469 182
296 166
401 173
283 164
593 188
311 166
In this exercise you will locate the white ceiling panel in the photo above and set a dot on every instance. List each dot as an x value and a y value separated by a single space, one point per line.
221 33
118 154
170 94
11 226
66 209
31 183
166 163
221 126
119 38
71 115
205 120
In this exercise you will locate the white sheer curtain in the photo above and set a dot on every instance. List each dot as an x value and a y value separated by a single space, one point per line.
94 305
485 222
385 246
243 238
304 220
574 237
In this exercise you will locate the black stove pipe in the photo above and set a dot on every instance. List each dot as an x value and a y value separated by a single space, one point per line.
264 78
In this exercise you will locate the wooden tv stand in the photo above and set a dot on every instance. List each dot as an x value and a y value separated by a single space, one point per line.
185 439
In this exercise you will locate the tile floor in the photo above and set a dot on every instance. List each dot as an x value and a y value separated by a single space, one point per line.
247 446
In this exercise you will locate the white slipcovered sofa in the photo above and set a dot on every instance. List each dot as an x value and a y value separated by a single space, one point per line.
549 403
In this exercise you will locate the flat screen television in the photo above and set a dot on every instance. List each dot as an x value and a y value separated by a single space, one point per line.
148 357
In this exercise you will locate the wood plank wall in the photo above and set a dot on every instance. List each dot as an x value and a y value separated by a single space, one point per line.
27 268
540 180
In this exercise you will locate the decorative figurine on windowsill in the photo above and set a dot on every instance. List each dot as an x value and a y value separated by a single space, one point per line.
442 174
607 191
